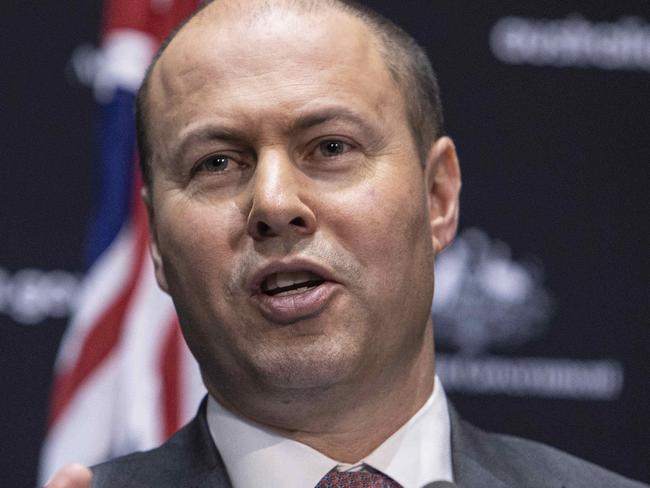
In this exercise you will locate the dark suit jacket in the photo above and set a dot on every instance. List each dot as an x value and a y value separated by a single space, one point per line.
480 459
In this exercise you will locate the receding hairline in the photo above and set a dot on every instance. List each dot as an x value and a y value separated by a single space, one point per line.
215 12
387 38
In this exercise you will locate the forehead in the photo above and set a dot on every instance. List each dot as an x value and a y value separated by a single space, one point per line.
280 33
279 61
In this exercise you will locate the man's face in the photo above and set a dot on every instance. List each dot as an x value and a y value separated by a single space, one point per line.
290 214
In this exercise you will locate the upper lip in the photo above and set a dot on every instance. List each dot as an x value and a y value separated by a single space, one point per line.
263 272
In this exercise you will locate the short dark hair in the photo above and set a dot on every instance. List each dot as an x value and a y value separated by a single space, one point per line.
405 59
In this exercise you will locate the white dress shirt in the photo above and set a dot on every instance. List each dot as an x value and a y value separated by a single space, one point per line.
416 454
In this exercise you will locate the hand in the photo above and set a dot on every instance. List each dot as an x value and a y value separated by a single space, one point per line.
71 476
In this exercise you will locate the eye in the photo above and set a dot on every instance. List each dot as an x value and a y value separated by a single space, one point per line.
215 164
333 148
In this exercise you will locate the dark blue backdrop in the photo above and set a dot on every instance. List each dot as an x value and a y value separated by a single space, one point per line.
543 310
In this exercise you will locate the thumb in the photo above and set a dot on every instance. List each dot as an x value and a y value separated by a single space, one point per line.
71 476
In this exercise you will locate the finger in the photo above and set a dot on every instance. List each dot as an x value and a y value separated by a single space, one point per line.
71 476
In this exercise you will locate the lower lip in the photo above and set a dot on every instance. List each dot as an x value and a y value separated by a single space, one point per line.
286 309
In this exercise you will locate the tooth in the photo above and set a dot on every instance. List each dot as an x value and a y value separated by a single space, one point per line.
286 279
283 280
295 291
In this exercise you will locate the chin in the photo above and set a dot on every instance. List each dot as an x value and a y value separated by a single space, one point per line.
316 364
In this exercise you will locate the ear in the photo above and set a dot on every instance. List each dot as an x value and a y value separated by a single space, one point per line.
442 177
159 268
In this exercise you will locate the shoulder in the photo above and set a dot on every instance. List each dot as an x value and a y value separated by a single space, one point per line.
189 458
524 463
155 467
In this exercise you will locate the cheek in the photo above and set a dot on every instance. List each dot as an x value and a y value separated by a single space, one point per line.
385 230
196 244
380 223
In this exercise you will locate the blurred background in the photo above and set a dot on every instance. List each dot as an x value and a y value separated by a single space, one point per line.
542 306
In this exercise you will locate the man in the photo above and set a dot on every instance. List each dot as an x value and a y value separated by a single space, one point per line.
299 187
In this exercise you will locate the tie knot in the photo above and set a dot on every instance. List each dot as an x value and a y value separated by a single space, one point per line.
356 479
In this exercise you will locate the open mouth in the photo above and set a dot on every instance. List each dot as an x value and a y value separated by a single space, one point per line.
290 283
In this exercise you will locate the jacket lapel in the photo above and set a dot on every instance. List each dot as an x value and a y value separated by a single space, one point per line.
481 459
206 468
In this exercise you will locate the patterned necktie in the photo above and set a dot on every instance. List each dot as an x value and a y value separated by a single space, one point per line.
356 479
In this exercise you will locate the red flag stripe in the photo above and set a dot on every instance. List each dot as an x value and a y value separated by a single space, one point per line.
170 373
155 17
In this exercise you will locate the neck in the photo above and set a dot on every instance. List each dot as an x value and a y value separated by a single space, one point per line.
346 424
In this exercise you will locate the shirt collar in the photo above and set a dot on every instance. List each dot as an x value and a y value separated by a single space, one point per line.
418 453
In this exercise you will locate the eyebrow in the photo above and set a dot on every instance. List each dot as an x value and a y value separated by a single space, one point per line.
215 132
209 132
335 114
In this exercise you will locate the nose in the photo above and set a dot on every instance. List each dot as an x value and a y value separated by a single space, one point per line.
278 205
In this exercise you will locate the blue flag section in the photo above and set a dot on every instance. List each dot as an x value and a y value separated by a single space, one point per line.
542 305
116 138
